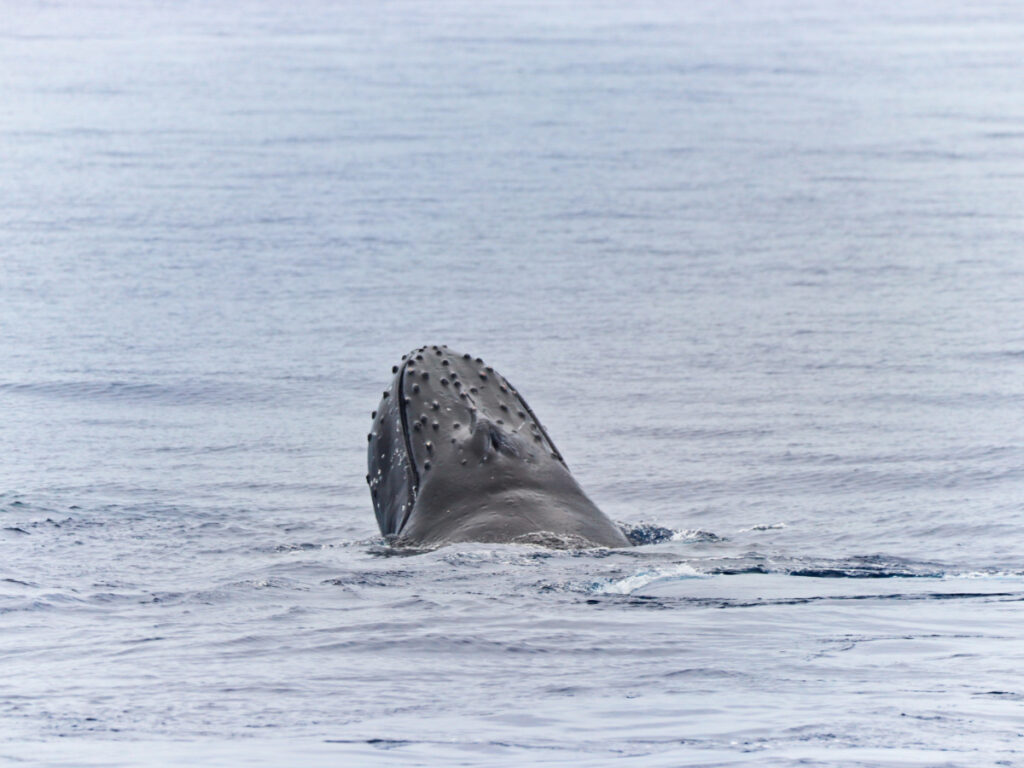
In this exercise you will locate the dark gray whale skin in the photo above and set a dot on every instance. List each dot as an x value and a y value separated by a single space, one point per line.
456 455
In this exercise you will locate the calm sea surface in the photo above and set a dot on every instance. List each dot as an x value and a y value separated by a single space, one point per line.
758 267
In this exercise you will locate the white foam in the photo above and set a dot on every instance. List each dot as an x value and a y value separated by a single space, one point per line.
764 527
690 534
648 576
1014 575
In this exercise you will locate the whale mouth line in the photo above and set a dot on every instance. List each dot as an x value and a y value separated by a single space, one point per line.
408 445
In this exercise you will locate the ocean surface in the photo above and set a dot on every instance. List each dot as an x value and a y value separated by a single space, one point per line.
758 268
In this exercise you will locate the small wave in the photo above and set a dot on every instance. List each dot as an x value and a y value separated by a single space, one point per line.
994 575
646 577
187 392
374 579
642 534
304 546
764 527
384 548
697 535
551 540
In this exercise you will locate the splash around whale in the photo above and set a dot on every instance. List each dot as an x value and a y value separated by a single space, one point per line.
455 455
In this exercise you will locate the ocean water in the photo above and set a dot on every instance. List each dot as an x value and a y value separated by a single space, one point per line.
756 266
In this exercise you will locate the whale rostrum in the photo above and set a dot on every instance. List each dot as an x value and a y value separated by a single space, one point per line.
455 455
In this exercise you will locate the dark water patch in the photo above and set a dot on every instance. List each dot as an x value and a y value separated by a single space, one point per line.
1001 695
855 567
646 533
860 573
661 602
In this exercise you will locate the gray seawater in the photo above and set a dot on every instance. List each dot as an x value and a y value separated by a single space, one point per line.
756 266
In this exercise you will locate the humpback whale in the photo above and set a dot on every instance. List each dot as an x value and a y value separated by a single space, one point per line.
456 455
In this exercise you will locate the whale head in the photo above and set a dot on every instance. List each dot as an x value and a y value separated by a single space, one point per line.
456 454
